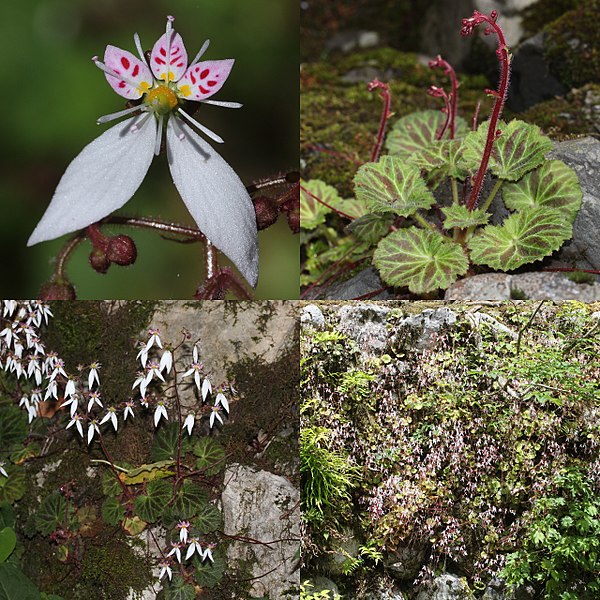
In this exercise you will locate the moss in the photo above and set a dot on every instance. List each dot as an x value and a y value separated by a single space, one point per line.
573 45
543 12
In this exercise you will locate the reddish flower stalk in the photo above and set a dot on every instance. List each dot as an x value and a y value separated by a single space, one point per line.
336 210
385 114
451 100
468 27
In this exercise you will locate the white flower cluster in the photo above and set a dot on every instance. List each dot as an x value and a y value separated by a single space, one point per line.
157 368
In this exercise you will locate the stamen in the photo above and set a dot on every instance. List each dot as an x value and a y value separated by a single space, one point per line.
158 135
200 53
211 134
121 113
223 104
135 127
113 73
138 45
169 37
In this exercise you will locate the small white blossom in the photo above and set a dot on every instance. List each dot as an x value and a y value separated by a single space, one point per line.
160 411
166 361
94 398
51 390
195 370
73 402
154 339
142 355
70 387
220 399
176 550
206 389
93 375
92 429
215 415
76 420
183 527
2 469
58 369
194 547
208 552
112 415
32 412
128 410
166 569
189 423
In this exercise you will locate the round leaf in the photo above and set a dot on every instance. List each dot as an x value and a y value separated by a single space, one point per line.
51 514
416 131
520 148
209 574
370 228
165 443
150 505
422 260
392 186
443 156
12 487
13 427
208 518
112 511
8 541
312 212
178 589
190 500
134 525
553 185
524 237
210 455
458 215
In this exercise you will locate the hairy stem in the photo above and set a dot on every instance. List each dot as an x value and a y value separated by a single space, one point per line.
385 115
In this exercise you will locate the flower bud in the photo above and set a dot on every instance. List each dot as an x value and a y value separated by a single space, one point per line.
99 261
57 289
266 211
121 250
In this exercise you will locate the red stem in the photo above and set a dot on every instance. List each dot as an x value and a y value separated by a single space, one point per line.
339 212
385 114
451 99
468 28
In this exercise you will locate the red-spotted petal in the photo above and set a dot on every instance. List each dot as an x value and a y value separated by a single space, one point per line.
133 71
204 79
178 58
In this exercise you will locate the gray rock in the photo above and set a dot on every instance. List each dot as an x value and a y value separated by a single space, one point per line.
531 286
366 325
446 587
320 583
404 563
583 155
264 507
312 316
495 590
531 80
344 550
347 41
365 282
426 325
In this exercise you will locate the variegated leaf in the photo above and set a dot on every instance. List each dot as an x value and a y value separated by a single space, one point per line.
423 260
524 237
458 215
370 228
312 211
392 186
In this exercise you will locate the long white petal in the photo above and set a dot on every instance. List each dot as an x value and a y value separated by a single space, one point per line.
215 197
101 179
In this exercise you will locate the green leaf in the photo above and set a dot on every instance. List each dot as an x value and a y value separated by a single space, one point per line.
208 518
458 215
422 260
12 487
7 515
165 443
147 472
8 541
52 512
14 585
110 486
444 156
392 186
520 148
112 511
210 455
190 500
370 228
209 574
178 589
312 212
13 427
524 237
134 525
149 506
417 131
553 185
350 206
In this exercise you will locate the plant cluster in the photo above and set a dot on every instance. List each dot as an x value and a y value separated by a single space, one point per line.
174 491
429 211
482 452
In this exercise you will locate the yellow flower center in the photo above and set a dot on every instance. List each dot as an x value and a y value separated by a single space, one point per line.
162 99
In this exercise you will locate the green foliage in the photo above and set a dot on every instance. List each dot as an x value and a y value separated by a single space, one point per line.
178 589
306 594
150 505
8 541
112 511
165 443
208 574
12 487
560 550
52 513
13 427
14 585
210 455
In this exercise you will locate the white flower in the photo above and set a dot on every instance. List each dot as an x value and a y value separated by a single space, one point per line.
141 375
189 423
152 370
166 361
76 420
31 412
2 469
160 411
58 369
208 553
92 429
142 355
51 390
194 547
128 410
93 376
220 399
195 370
94 398
176 550
154 339
215 415
165 569
206 389
108 171
112 415
73 401
70 388
183 527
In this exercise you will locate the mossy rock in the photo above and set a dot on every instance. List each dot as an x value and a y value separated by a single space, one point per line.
573 45
541 13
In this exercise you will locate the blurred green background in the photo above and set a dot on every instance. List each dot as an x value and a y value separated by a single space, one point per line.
52 94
